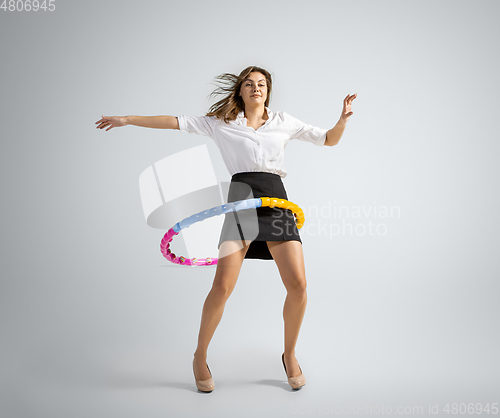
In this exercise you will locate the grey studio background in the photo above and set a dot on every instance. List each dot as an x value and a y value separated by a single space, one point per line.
95 322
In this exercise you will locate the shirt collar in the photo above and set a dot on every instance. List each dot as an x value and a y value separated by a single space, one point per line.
241 116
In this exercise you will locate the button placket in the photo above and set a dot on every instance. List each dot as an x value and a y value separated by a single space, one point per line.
261 159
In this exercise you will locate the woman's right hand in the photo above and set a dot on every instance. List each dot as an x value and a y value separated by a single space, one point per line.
111 121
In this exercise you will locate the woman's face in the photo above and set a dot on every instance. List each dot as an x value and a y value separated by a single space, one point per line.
254 89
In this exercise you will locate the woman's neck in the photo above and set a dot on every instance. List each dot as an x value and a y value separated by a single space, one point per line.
253 114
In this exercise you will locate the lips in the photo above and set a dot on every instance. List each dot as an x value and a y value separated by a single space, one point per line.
256 95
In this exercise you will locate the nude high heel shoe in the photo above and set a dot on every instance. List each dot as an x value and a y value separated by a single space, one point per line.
296 382
205 385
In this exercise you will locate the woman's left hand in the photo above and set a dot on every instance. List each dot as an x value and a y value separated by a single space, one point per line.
346 111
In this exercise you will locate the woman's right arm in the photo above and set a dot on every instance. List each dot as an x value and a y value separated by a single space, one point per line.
158 122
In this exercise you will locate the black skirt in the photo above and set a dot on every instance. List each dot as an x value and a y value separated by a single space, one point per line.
261 224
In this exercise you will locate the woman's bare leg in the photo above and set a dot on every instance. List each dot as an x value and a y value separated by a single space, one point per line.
231 256
290 261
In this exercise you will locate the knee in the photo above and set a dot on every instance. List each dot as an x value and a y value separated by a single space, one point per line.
222 290
298 286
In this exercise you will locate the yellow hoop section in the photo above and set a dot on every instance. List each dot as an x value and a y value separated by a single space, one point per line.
273 202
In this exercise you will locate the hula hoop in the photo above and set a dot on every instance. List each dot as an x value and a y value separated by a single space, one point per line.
258 202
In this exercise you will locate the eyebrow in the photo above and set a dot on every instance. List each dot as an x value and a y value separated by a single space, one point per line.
249 79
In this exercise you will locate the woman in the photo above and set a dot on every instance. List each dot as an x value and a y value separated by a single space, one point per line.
252 141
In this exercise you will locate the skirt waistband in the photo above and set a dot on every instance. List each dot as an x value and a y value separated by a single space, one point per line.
260 174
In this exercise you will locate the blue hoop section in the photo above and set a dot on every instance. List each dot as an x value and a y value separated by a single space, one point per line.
218 210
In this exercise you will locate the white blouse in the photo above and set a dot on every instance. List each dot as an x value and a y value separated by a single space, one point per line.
245 149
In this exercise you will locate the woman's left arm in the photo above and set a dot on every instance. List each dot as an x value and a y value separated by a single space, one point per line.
333 135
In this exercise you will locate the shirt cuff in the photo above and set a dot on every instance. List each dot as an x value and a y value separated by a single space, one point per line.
182 123
322 139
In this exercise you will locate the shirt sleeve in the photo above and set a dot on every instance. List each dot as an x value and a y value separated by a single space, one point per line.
305 132
202 125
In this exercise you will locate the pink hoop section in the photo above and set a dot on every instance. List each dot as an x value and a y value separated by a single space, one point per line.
170 256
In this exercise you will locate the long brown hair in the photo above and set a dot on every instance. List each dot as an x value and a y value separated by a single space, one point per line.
231 104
